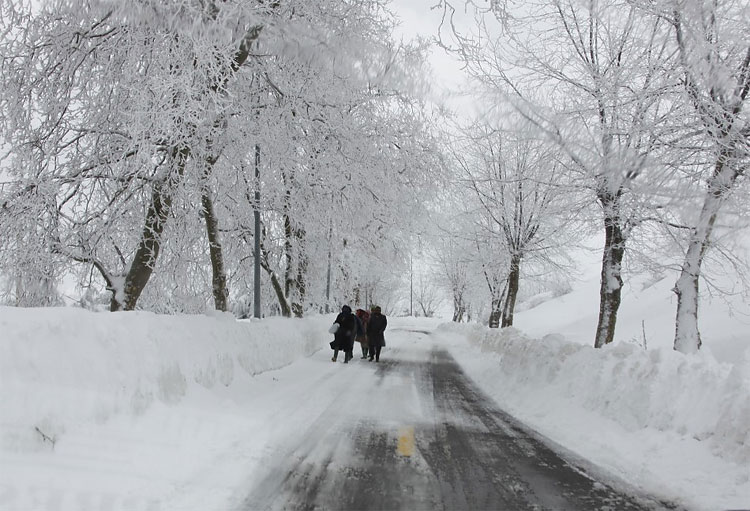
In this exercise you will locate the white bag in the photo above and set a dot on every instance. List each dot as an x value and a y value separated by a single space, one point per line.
334 328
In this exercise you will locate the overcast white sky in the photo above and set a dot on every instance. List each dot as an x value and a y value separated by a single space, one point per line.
418 18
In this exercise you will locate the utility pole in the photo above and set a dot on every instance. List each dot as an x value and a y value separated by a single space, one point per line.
256 277
328 271
411 286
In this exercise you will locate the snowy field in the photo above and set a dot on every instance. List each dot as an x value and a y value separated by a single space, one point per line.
139 411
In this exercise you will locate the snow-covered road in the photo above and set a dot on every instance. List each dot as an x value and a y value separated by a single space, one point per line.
141 412
411 432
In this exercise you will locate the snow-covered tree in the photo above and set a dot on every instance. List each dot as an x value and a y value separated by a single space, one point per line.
452 269
589 76
108 108
714 60
131 124
520 187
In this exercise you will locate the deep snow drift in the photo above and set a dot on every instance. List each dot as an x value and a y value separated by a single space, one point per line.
117 410
141 411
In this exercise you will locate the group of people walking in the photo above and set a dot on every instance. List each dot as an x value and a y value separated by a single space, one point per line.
366 328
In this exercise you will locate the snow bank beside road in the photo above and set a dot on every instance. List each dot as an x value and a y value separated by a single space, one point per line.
680 419
64 367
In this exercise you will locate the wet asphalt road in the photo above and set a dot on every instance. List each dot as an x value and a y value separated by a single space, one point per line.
446 446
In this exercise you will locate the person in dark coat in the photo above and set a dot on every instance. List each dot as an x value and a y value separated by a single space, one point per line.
364 317
375 337
343 339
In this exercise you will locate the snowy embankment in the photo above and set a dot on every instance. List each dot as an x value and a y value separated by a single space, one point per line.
64 366
111 409
674 425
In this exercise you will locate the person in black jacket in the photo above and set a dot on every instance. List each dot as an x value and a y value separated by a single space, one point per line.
375 328
343 339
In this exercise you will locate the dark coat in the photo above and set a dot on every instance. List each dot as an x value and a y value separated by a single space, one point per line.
343 339
375 328
363 316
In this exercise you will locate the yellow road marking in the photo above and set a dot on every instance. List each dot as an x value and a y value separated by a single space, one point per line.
406 441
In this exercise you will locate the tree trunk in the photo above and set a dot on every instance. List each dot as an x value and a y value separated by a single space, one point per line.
294 275
611 278
148 250
458 307
300 285
496 313
328 281
496 304
285 309
288 256
219 277
512 291
161 204
458 315
687 336
328 268
275 283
